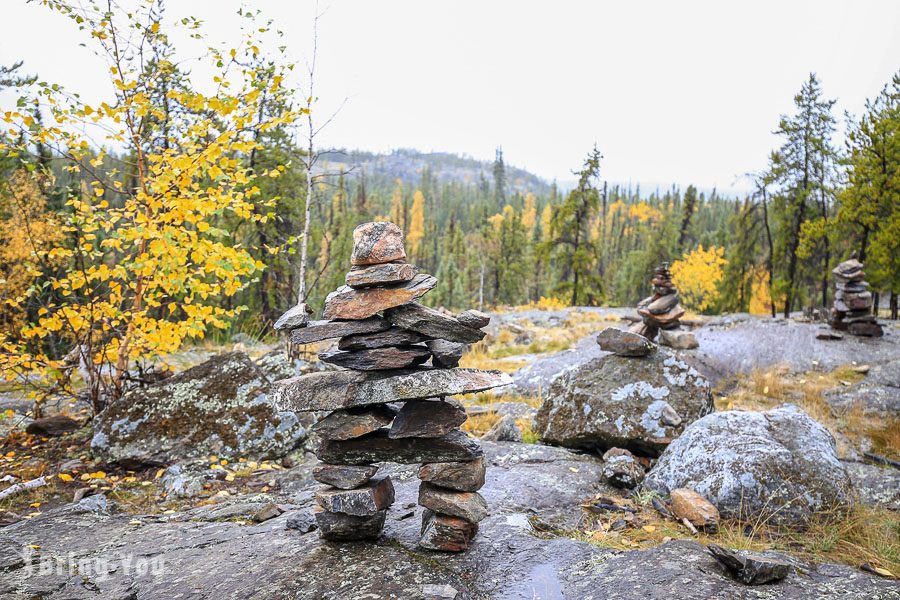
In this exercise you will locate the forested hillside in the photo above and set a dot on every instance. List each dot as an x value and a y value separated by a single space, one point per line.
188 213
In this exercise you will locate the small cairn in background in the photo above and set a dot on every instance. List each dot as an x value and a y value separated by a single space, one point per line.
661 313
387 404
852 310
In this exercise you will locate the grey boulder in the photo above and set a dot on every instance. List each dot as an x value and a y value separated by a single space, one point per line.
640 404
779 465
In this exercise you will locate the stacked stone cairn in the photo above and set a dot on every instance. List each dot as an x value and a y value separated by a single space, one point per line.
661 310
387 404
852 310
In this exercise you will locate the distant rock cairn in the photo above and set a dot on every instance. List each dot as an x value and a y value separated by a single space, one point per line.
386 339
852 310
661 310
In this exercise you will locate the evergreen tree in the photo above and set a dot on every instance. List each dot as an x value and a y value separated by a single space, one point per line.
799 167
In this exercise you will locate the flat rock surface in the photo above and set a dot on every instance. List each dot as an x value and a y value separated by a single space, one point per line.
202 558
345 389
432 323
377 359
316 331
351 303
729 345
219 407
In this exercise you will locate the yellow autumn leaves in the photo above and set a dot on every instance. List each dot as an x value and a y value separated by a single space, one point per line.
697 277
146 251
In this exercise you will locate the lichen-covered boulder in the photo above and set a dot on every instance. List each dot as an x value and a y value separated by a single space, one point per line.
778 466
641 404
219 407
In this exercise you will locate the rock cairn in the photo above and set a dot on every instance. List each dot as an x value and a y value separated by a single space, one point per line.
852 310
385 340
661 310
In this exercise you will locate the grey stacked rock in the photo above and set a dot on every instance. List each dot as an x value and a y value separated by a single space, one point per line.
660 310
852 310
386 342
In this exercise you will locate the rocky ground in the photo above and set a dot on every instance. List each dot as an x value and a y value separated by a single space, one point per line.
219 551
210 528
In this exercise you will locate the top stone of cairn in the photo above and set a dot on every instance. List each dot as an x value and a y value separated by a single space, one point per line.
377 243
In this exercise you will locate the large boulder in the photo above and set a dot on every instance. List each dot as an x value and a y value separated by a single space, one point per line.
219 407
641 404
778 466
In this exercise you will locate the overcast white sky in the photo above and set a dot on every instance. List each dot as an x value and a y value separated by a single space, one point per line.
672 92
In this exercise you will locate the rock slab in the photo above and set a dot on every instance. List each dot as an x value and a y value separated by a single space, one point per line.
220 407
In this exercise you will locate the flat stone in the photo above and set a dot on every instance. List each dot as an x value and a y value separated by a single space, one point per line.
351 303
298 316
465 476
55 426
331 390
428 418
663 304
395 336
474 319
269 511
432 323
345 477
866 329
353 422
379 447
341 527
444 354
384 274
376 495
316 331
829 335
377 243
680 340
624 343
445 533
751 568
688 504
377 359
663 319
470 506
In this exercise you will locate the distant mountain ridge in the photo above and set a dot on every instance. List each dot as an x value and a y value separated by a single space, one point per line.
408 165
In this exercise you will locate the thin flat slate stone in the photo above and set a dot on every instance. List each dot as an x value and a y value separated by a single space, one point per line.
395 336
474 318
377 359
460 476
378 447
345 477
446 533
316 331
377 243
349 303
470 506
386 274
376 495
341 527
432 323
331 390
298 316
428 418
353 422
